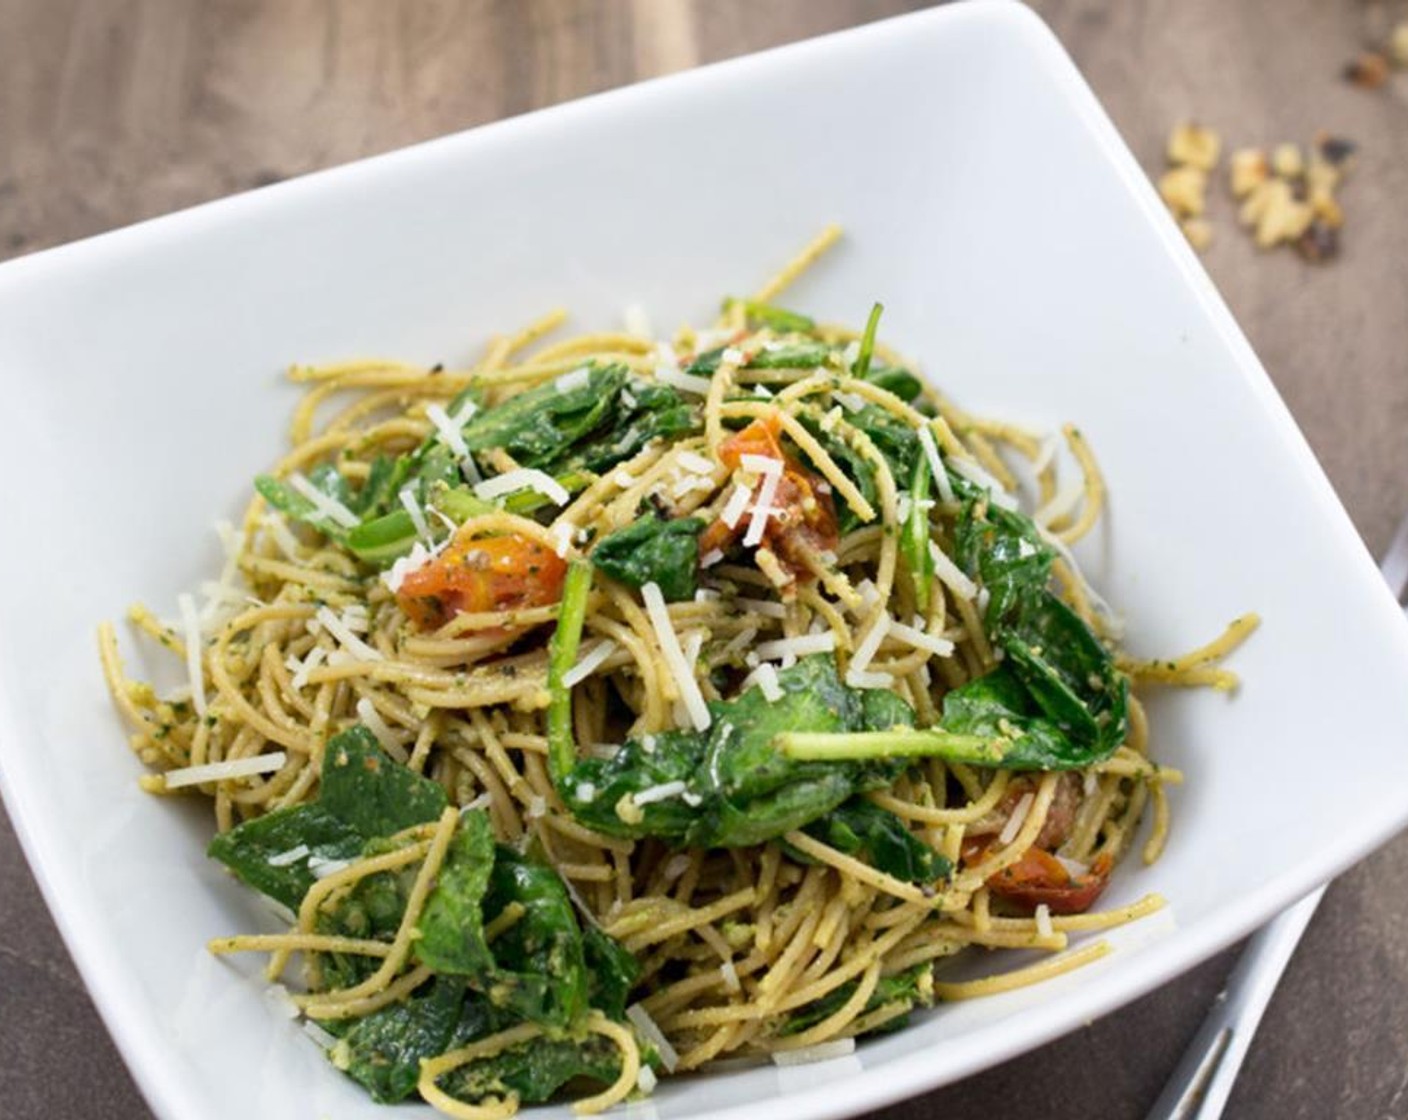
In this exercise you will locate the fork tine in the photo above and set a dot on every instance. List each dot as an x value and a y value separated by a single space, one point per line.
1395 561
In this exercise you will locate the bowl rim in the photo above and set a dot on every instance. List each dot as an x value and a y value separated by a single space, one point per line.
171 1095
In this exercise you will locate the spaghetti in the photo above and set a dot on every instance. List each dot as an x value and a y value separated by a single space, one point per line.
501 574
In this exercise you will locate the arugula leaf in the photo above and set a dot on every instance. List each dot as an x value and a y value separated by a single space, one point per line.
654 551
862 829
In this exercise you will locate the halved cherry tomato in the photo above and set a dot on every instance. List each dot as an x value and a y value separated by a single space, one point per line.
1060 818
803 518
1039 877
476 574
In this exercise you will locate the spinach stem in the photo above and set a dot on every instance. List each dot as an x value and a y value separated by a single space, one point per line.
562 655
867 343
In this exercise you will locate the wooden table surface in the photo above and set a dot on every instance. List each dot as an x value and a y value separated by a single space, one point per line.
115 110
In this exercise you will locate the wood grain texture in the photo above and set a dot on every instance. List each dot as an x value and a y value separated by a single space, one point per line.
117 110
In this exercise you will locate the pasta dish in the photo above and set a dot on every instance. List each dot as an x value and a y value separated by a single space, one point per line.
617 707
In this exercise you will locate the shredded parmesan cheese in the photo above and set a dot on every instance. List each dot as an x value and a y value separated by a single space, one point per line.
225 771
1016 820
589 663
736 506
796 647
979 477
417 515
821 1052
448 430
349 641
674 656
524 478
730 976
579 378
768 684
869 646
663 792
695 463
1043 920
367 713
325 504
674 377
763 607
191 624
951 575
651 1032
930 643
293 855
762 507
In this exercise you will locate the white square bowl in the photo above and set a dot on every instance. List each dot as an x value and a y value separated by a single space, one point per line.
1021 255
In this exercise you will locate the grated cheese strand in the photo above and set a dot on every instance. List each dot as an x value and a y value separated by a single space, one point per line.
674 656
345 638
589 663
225 771
191 624
524 478
325 504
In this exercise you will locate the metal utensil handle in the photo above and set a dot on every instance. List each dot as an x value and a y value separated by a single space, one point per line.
1201 1083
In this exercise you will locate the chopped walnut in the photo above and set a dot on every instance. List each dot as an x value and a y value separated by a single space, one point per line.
1276 213
1249 170
1184 190
1198 231
1191 145
1319 242
1287 161
1398 44
1368 71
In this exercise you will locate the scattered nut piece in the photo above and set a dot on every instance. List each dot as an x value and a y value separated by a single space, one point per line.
1249 171
1335 150
1198 231
1398 44
1368 71
1287 161
1319 243
1325 208
1184 190
1280 216
1192 145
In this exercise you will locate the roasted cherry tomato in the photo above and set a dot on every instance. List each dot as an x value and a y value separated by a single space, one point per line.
482 573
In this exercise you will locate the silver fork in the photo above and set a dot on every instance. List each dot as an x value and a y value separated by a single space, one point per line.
1202 1081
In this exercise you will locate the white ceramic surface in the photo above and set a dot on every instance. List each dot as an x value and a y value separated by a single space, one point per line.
1020 253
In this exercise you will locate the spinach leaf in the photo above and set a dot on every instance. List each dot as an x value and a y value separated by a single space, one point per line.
535 426
914 987
362 786
862 829
734 787
611 973
536 1069
363 795
247 849
451 924
645 411
536 968
385 1047
541 971
654 551
1057 701
893 379
798 355
777 318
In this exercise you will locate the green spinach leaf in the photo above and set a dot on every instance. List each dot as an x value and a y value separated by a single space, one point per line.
654 551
